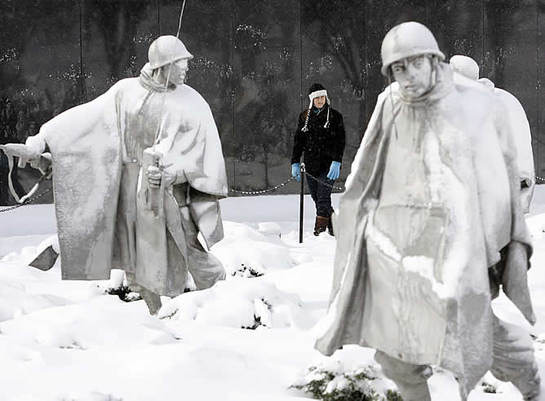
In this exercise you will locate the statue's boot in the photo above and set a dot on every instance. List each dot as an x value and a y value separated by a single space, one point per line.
529 383
410 379
152 299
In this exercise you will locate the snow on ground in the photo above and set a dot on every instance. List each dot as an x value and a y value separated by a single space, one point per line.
247 338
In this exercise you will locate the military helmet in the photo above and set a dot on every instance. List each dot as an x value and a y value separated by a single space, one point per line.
166 49
407 40
466 66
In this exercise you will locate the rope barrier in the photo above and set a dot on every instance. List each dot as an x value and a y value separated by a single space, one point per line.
27 201
324 183
262 191
232 190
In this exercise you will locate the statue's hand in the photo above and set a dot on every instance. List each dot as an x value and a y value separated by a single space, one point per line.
23 152
154 175
157 175
169 178
43 163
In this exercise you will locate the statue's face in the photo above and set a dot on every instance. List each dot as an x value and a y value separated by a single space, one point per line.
178 71
319 101
414 75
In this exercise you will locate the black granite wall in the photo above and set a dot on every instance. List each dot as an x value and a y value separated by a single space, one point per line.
254 60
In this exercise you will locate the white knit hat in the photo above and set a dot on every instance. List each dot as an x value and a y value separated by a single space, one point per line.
312 96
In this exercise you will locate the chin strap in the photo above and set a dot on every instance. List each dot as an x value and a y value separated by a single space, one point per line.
392 103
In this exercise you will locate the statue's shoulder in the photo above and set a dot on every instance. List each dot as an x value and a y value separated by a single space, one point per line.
472 89
476 101
192 98
125 86
509 100
190 93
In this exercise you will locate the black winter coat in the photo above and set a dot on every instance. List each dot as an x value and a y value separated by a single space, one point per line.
319 145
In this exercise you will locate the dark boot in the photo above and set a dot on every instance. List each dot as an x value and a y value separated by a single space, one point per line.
320 225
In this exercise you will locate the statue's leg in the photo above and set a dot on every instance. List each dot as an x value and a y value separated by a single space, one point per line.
411 380
153 300
514 360
204 267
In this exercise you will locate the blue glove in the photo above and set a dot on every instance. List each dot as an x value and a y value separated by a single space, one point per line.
334 171
296 171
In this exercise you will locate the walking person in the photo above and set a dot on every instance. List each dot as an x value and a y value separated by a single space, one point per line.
319 140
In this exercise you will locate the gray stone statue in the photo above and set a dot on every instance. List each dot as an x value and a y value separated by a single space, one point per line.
429 228
137 175
520 128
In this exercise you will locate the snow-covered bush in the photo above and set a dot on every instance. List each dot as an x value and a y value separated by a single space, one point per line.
327 384
117 285
489 388
262 314
124 293
246 272
392 395
238 303
245 246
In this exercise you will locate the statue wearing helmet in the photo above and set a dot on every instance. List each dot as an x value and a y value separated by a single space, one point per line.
465 66
165 50
138 173
520 128
435 190
408 40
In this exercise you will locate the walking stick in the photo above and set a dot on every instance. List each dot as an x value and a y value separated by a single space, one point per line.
301 203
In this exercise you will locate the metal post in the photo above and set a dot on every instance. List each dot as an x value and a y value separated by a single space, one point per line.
302 203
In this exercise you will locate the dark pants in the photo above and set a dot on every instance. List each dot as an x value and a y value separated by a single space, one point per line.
321 194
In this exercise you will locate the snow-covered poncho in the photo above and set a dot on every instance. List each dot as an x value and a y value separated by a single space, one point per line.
522 139
87 145
472 147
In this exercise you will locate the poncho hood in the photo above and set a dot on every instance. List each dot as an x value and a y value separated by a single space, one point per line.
147 80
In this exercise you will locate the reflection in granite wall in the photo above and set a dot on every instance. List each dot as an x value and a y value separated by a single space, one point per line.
254 61
266 81
335 55
40 70
115 36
